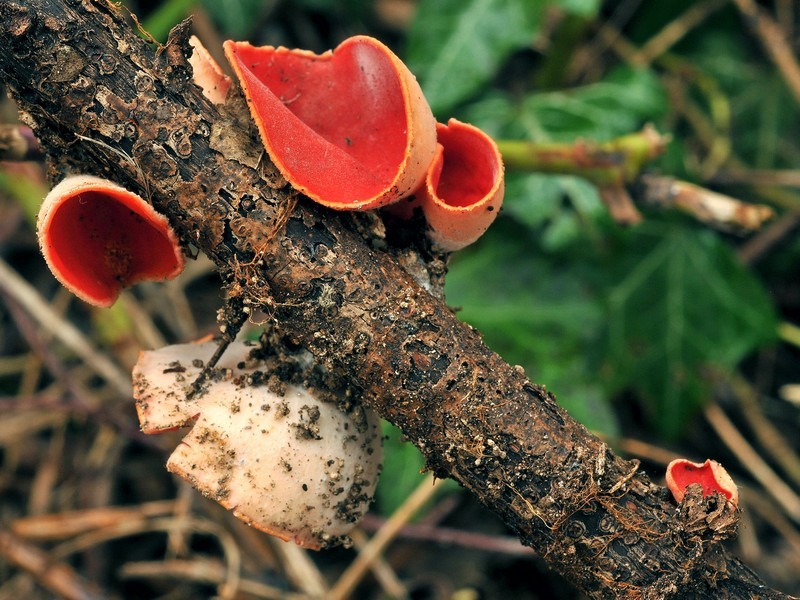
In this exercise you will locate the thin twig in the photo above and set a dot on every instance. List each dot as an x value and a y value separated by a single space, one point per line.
767 510
758 246
752 461
203 571
56 576
381 569
233 558
759 177
300 569
773 38
64 525
675 30
613 162
27 296
712 208
495 544
767 434
358 568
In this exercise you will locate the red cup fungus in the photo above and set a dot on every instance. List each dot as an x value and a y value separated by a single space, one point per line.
464 187
98 238
207 73
290 464
349 128
710 475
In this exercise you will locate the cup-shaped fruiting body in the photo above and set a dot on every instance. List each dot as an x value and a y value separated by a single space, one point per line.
99 238
464 188
289 464
350 128
710 475
207 74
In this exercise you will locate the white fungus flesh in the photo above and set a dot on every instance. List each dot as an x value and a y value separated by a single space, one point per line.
291 465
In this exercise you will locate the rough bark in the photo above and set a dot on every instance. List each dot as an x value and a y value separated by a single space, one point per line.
102 101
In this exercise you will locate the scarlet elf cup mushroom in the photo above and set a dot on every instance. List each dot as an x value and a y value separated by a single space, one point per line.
349 128
464 186
98 238
709 475
291 464
207 74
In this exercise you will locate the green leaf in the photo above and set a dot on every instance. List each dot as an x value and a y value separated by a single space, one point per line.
534 313
679 304
457 46
403 466
620 104
235 18
582 8
166 16
563 210
533 200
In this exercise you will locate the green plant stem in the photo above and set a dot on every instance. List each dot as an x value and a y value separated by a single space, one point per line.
610 163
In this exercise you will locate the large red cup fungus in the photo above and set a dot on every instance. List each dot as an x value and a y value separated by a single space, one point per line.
290 464
99 238
350 128
207 74
710 475
464 188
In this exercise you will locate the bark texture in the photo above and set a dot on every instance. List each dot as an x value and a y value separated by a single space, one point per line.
102 101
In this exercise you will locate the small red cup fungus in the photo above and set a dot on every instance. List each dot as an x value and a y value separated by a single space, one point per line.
290 464
464 188
710 475
99 238
349 128
207 73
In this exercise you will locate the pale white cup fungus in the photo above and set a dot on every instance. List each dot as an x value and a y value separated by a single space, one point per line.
292 465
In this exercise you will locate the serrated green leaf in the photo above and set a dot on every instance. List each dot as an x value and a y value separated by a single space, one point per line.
538 201
678 305
532 200
456 46
618 105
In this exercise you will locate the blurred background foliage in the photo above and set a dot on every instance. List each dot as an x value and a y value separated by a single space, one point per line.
636 329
